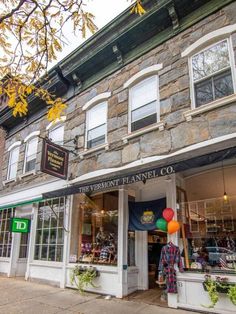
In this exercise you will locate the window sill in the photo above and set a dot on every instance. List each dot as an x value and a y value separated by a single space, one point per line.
213 105
92 150
6 182
27 174
158 125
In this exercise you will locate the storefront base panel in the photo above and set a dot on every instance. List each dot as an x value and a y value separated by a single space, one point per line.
133 280
46 274
4 267
107 282
191 295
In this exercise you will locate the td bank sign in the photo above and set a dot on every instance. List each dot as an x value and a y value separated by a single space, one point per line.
21 225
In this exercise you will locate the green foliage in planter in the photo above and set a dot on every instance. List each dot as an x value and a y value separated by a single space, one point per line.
83 277
232 294
212 292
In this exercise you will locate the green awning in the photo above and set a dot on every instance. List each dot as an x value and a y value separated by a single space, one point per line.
35 200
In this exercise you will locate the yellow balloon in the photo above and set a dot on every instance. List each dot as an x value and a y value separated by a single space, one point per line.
173 226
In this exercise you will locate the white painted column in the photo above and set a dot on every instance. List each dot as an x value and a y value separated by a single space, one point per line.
141 252
171 202
31 240
66 249
122 262
15 245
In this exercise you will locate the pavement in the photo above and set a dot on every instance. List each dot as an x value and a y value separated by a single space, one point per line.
19 296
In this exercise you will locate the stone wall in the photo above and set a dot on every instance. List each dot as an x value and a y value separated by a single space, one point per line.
174 89
2 149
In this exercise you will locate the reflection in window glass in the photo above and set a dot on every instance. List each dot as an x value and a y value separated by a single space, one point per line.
95 229
56 134
12 164
50 230
212 74
30 155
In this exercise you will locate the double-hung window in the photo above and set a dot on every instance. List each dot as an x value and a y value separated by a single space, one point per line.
56 134
97 125
143 103
12 164
30 154
212 73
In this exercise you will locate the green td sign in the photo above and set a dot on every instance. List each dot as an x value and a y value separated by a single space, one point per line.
20 225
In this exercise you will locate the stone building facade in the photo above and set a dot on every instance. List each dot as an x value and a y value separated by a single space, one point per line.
181 131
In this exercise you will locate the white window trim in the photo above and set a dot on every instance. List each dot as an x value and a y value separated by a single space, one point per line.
210 106
96 100
14 145
159 125
93 150
54 123
141 75
206 40
27 174
232 67
157 108
29 137
6 182
86 130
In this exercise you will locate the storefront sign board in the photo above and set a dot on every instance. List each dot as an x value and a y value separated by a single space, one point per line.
54 160
21 225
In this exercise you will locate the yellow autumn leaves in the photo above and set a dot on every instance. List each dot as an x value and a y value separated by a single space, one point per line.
138 8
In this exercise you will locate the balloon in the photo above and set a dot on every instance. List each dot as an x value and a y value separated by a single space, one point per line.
173 226
168 214
161 224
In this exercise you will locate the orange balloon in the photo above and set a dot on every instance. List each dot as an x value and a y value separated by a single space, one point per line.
173 226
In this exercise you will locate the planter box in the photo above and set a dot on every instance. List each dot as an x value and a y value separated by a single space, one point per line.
220 289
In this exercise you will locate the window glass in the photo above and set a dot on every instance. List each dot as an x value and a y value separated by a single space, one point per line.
50 230
96 125
23 253
5 234
56 134
31 153
212 74
95 229
209 221
13 161
143 101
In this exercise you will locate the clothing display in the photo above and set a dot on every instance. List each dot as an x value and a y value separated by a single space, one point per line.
170 256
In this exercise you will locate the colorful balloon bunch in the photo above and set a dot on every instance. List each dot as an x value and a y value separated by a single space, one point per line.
166 223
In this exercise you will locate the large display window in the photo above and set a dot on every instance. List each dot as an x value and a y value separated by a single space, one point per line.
208 214
95 229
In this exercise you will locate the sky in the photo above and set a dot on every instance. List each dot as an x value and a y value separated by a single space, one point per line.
104 11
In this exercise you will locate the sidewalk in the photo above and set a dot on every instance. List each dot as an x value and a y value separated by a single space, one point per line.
19 296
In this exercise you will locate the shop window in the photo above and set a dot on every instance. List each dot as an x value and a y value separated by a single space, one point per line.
208 236
143 103
30 154
49 240
212 73
95 229
13 162
131 248
5 234
56 134
96 125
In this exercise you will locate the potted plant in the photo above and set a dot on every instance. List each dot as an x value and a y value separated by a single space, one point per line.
83 277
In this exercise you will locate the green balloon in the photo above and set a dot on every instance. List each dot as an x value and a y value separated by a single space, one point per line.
161 224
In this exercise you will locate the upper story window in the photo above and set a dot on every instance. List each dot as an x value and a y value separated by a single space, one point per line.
143 103
56 134
212 73
96 125
30 154
13 162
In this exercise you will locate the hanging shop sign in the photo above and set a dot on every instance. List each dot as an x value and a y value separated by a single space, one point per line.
21 225
54 160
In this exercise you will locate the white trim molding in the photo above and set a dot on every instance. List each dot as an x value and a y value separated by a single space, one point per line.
53 123
93 150
143 74
158 125
95 100
212 105
31 135
18 143
206 40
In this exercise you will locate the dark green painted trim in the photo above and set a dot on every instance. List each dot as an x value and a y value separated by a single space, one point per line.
36 200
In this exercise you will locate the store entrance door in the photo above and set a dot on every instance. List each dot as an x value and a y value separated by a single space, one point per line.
21 263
